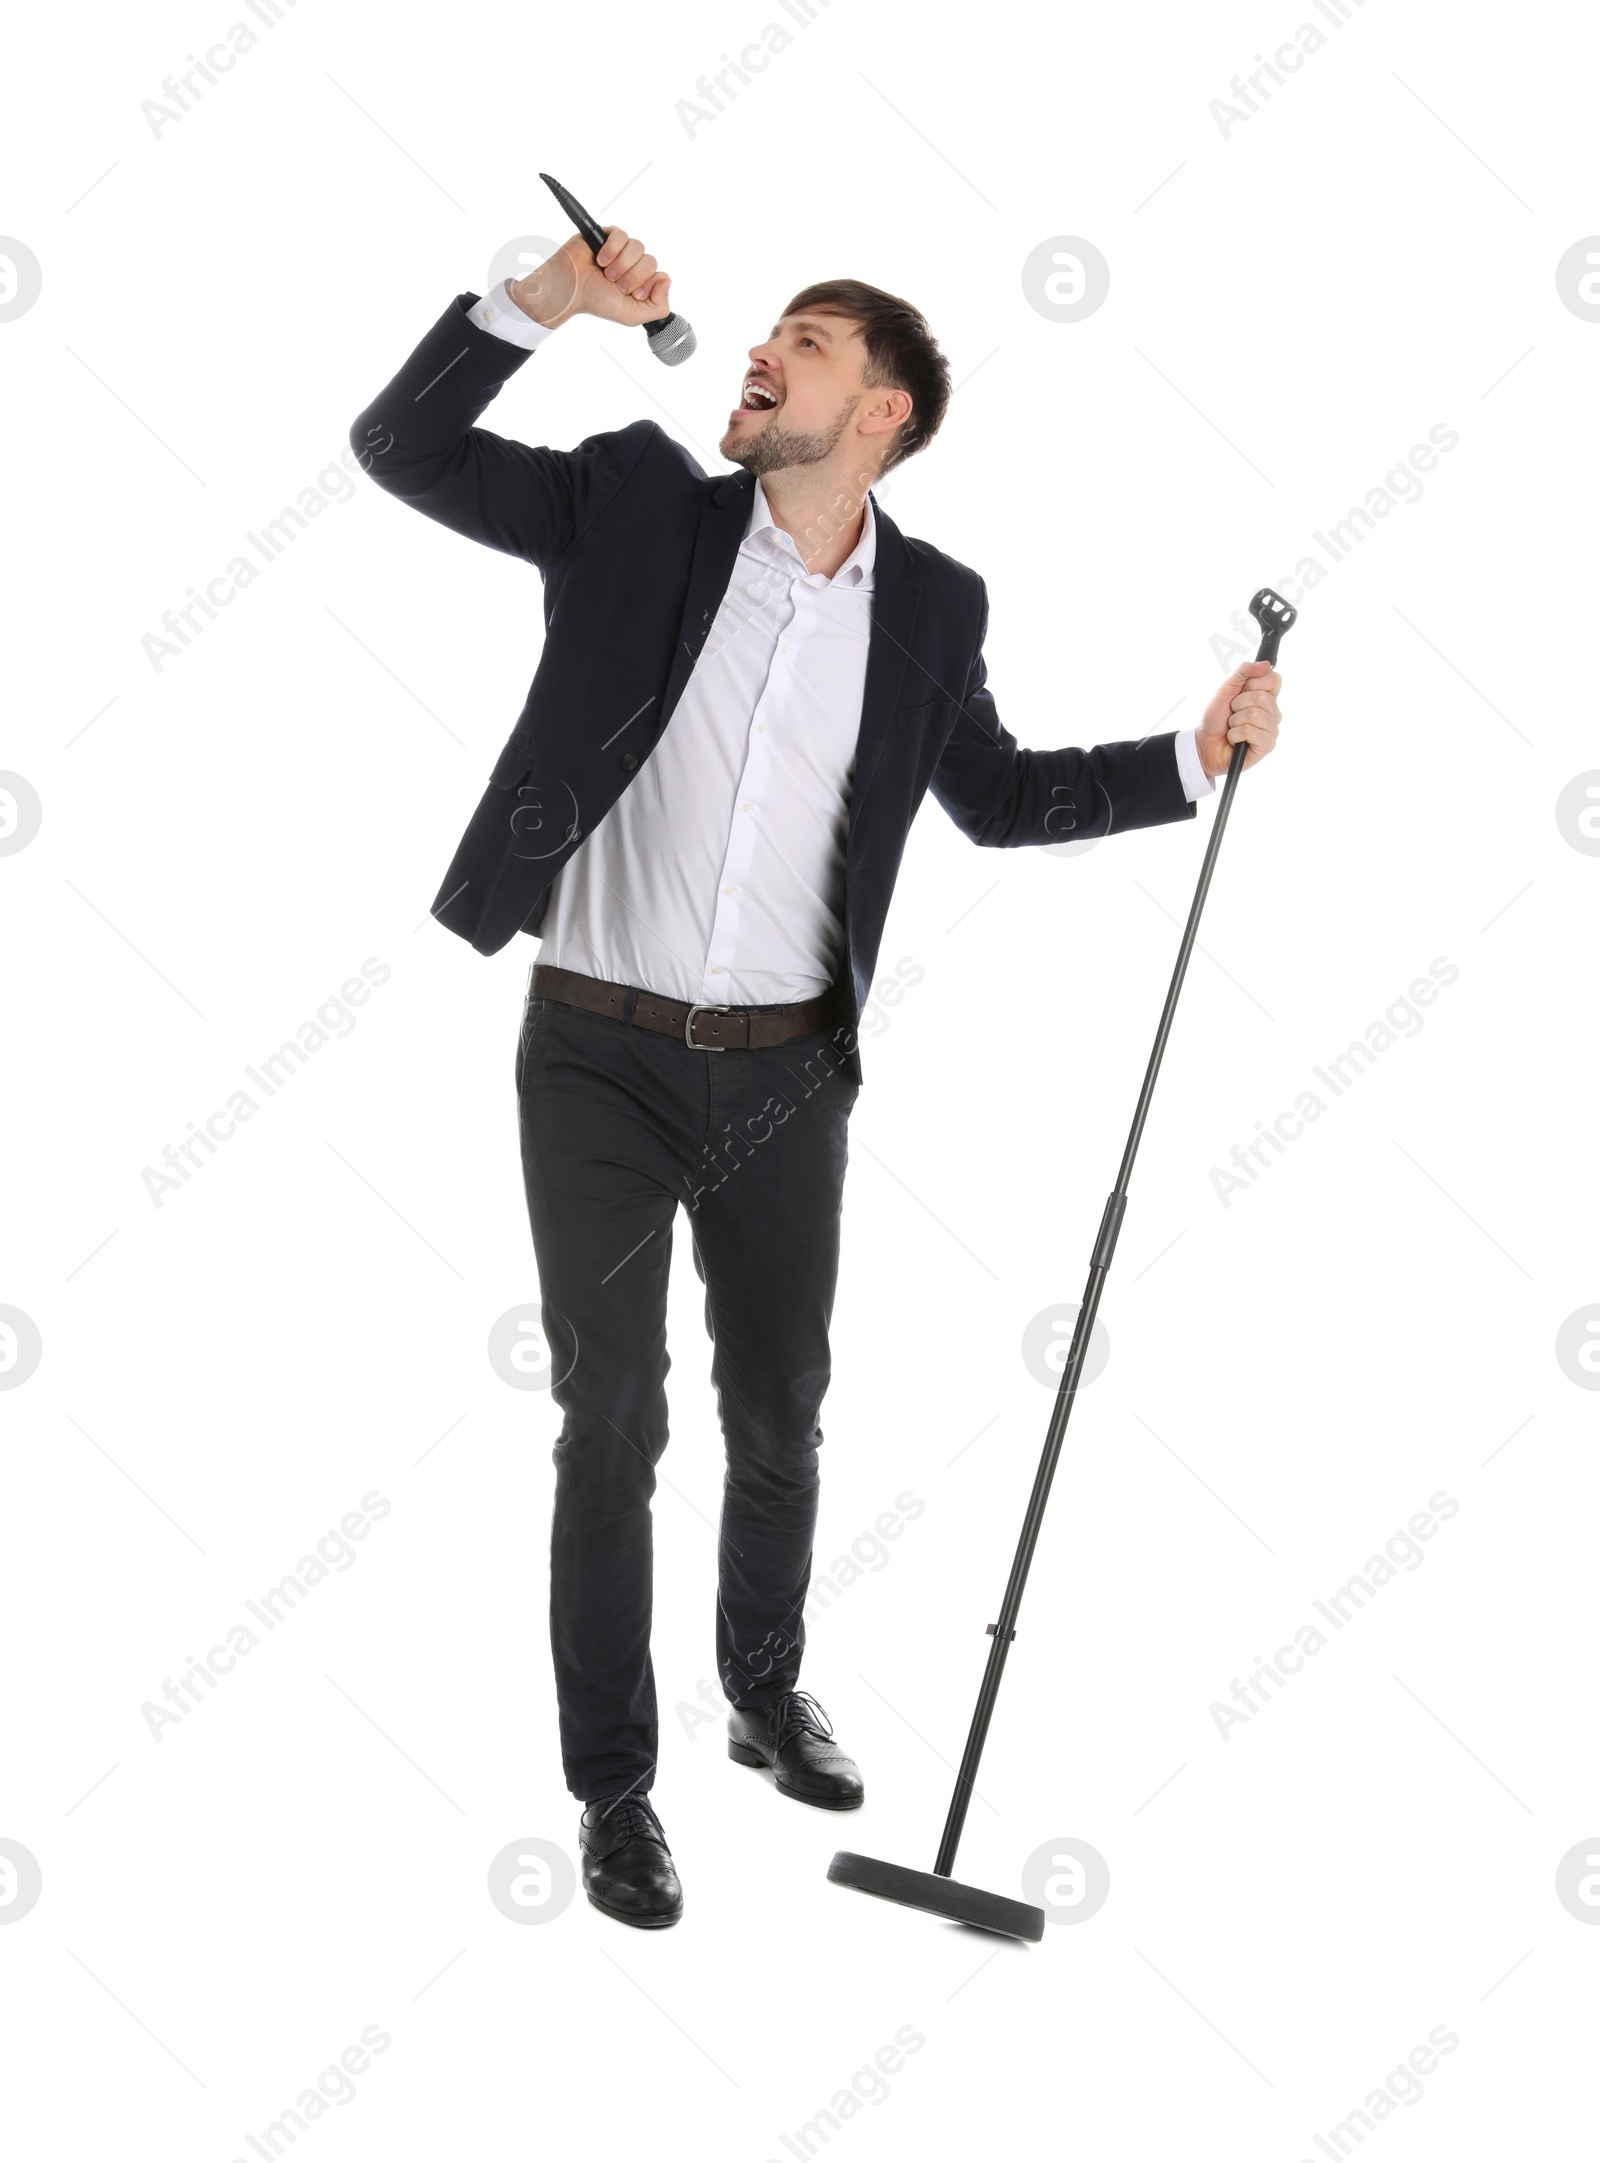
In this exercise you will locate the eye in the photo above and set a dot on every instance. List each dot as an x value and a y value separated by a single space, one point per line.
810 342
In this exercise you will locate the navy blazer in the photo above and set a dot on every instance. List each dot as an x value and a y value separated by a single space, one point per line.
636 546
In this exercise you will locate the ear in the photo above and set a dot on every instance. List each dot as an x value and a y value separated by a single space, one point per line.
885 411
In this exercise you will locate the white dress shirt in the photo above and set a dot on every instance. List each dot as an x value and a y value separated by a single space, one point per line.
718 875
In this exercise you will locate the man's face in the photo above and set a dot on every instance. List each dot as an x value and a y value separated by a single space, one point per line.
801 391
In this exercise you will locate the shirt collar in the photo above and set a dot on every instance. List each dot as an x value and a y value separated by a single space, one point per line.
856 569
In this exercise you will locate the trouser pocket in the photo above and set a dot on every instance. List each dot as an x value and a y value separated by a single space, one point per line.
533 1014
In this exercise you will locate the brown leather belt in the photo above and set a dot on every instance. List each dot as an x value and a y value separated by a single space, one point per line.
702 1028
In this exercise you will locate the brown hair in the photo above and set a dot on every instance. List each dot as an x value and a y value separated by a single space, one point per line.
902 353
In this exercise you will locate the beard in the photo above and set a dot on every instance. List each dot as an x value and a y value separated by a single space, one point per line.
771 448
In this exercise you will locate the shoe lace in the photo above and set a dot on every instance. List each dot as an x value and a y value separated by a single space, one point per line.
798 1714
633 1819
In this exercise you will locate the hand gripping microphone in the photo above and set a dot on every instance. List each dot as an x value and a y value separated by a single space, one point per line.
671 339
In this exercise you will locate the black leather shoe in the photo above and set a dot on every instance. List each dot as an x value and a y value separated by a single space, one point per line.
794 1738
627 1865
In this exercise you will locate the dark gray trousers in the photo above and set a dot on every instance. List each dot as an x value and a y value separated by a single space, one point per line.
620 1129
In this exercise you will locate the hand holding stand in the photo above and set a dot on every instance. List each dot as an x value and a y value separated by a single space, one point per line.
939 1893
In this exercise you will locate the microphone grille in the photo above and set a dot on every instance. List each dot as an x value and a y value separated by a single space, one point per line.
671 340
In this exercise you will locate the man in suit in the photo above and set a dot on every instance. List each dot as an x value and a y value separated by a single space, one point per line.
748 683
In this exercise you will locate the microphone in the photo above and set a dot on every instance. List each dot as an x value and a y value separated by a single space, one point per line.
671 339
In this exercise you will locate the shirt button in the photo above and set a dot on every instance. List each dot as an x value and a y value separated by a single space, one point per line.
783 645
716 969
727 889
761 728
747 807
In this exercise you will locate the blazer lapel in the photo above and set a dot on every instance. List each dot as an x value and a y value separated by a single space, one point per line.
895 594
723 517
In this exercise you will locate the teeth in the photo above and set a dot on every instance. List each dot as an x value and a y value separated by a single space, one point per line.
758 390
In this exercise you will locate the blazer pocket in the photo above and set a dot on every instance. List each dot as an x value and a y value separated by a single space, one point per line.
512 766
931 709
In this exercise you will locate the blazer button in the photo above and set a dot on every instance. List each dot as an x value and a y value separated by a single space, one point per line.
629 761
574 834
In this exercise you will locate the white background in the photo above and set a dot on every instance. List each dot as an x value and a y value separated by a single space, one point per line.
1292 1376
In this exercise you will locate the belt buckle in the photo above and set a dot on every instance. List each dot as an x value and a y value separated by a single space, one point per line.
688 1027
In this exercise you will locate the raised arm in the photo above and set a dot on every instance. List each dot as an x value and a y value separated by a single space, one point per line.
418 439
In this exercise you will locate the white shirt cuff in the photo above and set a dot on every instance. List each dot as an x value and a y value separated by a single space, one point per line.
1195 780
499 314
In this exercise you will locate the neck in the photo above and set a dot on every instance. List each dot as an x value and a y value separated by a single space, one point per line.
823 513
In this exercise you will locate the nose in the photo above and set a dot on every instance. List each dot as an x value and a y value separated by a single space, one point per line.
765 354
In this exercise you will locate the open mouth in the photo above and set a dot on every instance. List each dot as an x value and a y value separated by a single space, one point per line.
758 396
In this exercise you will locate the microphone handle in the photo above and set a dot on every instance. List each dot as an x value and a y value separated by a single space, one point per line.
590 229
